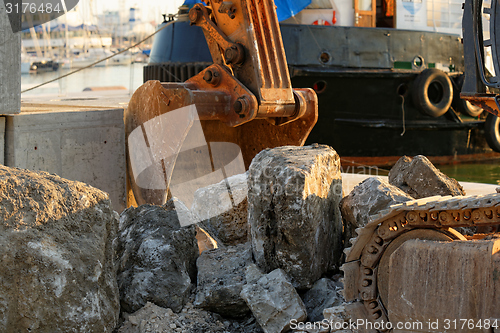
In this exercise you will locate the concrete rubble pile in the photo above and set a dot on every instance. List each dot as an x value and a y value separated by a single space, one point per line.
269 263
285 214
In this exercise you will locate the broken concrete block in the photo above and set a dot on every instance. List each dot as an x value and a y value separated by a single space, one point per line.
274 302
338 319
221 277
223 210
294 216
368 198
420 178
157 257
322 295
253 274
57 254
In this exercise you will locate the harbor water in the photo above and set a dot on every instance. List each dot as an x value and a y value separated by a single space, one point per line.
130 77
127 76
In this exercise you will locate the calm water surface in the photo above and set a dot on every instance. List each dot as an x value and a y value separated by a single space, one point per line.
130 77
488 173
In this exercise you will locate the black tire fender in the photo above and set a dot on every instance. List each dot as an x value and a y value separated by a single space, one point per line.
492 131
461 105
432 92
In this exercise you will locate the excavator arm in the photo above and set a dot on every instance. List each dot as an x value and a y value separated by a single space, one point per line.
245 98
477 83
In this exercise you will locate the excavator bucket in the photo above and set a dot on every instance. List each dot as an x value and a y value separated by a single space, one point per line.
181 137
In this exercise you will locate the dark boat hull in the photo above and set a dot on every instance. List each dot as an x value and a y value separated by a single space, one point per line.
365 121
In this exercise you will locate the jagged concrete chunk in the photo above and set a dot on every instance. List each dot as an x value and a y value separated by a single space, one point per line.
221 276
57 255
253 273
420 178
368 198
274 302
154 319
338 318
322 295
294 216
157 257
223 210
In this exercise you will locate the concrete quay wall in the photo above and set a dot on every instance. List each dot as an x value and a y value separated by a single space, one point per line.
10 66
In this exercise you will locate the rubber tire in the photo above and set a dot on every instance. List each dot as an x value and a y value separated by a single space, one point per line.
420 92
463 106
492 131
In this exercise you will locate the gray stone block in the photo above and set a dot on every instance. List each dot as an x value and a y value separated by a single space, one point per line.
221 276
157 257
223 210
274 302
322 295
294 216
88 146
368 198
419 178
57 253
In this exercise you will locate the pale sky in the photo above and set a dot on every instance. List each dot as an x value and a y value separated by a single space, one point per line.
151 9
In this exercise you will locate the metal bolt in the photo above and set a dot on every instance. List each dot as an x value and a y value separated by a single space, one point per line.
365 283
194 15
212 76
230 55
241 106
234 54
208 76
238 107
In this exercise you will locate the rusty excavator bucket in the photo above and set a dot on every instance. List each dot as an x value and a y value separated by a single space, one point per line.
181 136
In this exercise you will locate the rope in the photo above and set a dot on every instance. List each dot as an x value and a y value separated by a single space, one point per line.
403 109
99 61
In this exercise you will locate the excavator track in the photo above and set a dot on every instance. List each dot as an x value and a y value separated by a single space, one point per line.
433 218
